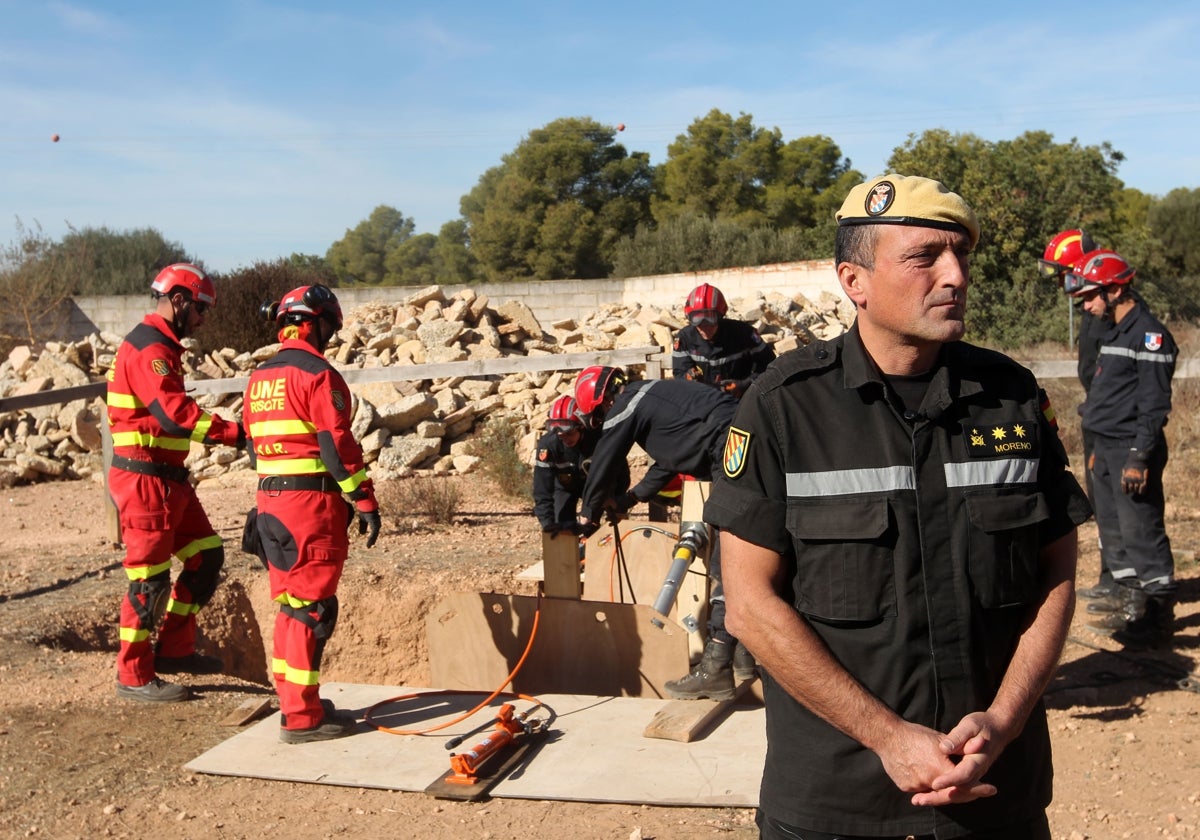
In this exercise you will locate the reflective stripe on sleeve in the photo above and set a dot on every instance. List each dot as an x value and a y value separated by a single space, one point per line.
200 432
1138 355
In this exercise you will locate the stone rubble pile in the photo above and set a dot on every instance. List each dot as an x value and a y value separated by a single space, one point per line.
406 427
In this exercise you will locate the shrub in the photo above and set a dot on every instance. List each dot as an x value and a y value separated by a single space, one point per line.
236 322
496 446
434 500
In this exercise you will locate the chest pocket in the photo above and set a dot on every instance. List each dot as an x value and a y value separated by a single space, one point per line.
1002 545
844 565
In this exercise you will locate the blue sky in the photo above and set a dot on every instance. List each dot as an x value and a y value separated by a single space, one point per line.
248 130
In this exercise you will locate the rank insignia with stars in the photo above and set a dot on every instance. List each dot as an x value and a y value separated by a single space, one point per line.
991 440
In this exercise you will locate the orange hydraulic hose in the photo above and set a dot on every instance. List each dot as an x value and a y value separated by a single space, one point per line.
537 614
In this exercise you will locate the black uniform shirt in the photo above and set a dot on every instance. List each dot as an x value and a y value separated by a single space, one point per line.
737 353
1091 334
681 425
911 548
1130 396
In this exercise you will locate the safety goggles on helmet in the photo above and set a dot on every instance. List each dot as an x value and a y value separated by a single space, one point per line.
565 427
1076 284
704 318
1049 270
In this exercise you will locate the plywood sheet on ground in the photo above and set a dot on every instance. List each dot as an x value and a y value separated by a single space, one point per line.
598 755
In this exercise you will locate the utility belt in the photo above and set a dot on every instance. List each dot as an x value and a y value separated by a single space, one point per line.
274 484
166 471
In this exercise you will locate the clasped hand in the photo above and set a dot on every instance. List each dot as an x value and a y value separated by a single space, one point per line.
945 769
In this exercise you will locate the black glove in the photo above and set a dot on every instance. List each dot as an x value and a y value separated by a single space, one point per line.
588 529
1135 475
368 523
735 387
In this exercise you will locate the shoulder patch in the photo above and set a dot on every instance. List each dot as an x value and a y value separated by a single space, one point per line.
737 446
1153 341
160 367
339 399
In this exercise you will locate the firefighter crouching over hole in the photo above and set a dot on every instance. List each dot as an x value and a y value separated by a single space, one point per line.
297 416
153 422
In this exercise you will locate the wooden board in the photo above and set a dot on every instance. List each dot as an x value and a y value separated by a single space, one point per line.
441 788
647 552
687 720
247 711
560 565
581 647
597 752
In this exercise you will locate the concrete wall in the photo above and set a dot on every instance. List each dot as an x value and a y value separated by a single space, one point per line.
550 300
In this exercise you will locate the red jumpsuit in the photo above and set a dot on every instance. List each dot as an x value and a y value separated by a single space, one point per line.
153 422
297 416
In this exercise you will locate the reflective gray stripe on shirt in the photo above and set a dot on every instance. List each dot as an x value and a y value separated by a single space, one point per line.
991 472
1137 355
617 418
848 482
724 360
890 479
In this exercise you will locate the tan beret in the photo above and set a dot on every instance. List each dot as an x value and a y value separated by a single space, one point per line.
908 200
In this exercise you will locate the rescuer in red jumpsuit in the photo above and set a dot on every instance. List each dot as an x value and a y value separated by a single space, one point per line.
153 423
297 416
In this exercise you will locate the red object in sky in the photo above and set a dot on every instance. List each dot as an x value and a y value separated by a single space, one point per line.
620 126
54 138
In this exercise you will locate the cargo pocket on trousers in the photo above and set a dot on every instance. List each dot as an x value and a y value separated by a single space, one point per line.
845 569
1002 545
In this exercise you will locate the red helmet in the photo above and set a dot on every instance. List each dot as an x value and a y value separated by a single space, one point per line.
593 385
705 298
316 301
1097 269
187 277
563 415
1065 251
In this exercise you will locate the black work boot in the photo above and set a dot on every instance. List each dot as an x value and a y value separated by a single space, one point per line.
1154 629
1103 589
1115 602
155 691
335 724
1132 610
712 676
744 666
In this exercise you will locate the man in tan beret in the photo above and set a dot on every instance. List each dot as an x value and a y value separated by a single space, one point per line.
898 532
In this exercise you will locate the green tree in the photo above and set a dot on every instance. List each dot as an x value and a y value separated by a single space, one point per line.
361 255
411 262
731 170
453 259
237 321
696 243
1024 191
101 261
557 204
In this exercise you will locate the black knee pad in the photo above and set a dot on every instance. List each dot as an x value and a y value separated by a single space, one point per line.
155 590
325 621
202 581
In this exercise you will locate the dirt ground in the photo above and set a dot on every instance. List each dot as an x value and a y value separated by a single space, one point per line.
77 762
